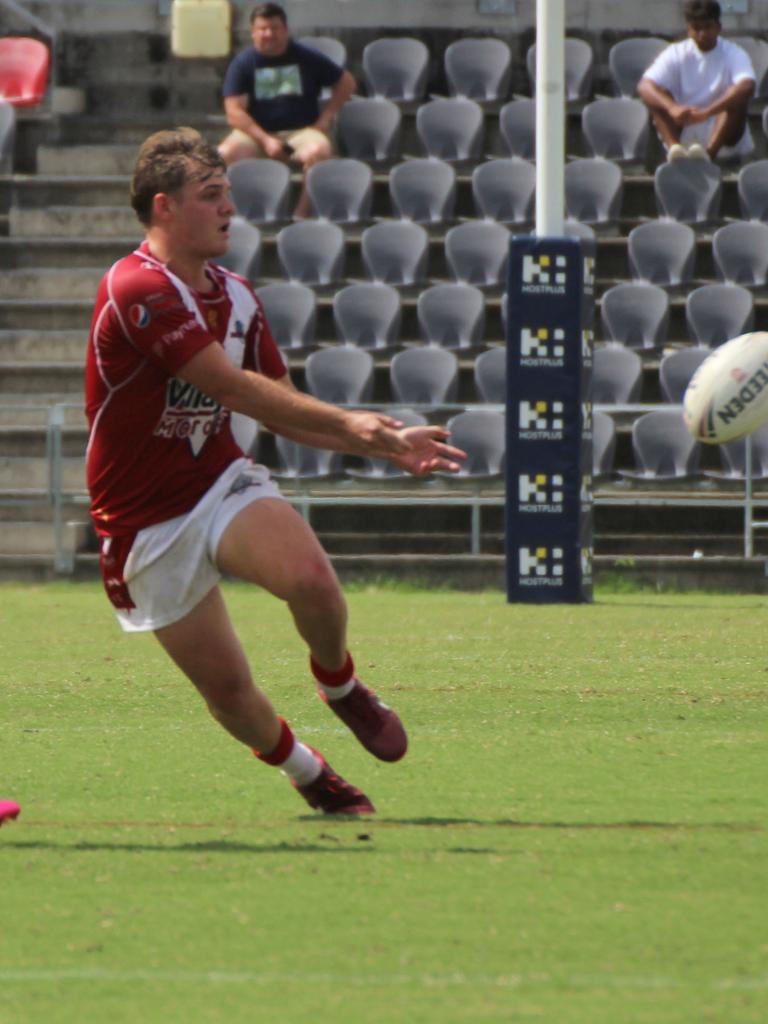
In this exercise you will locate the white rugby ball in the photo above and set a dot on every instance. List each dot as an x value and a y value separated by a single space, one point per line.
727 396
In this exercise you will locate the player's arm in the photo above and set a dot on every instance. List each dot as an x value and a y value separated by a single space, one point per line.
254 395
236 111
428 450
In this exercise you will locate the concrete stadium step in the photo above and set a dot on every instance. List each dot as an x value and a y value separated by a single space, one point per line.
32 441
87 160
31 475
39 190
433 543
19 253
34 409
51 283
73 222
43 346
42 378
59 315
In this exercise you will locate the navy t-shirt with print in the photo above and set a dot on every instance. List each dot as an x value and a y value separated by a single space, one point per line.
282 91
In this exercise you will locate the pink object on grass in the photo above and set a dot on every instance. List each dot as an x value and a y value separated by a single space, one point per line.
8 811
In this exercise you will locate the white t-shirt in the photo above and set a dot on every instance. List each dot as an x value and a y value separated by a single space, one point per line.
696 79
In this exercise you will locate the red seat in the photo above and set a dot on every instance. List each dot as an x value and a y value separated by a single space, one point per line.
24 65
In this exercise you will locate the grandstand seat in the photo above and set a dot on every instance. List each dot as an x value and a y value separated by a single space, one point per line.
342 374
718 312
301 462
423 190
576 229
662 252
477 251
7 136
662 447
603 445
579 61
517 124
451 128
617 375
24 68
245 430
758 54
688 190
733 458
593 190
291 312
490 373
740 252
312 252
451 315
676 369
503 190
482 435
479 69
635 315
243 255
341 190
369 129
616 129
628 60
395 252
367 315
261 189
329 46
396 68
383 469
424 375
753 190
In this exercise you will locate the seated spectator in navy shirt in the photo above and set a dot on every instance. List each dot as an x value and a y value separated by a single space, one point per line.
271 98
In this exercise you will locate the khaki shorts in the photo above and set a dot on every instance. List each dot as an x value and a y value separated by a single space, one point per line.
297 138
172 566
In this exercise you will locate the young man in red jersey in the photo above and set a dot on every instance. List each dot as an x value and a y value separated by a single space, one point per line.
177 345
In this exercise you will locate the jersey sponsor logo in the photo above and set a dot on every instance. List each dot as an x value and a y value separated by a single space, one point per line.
189 414
139 315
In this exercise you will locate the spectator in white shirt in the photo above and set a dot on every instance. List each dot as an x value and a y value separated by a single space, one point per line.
698 90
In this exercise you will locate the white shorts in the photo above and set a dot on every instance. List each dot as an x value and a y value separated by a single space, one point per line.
172 565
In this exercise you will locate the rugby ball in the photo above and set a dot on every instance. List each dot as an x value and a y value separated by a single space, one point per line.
727 397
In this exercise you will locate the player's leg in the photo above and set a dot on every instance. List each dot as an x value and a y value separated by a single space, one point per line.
238 146
269 543
205 647
310 147
729 127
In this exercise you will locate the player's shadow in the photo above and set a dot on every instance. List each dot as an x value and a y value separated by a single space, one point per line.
512 823
206 846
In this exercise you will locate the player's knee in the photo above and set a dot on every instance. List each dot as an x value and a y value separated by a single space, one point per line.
316 585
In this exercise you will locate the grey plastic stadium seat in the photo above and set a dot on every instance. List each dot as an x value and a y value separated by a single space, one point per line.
482 435
300 462
503 190
425 375
733 458
383 469
576 229
477 251
367 315
490 373
593 190
480 69
579 61
688 190
758 54
451 128
676 369
342 374
764 121
395 252
517 124
718 312
616 129
369 129
662 252
629 59
452 315
740 252
753 190
396 68
617 375
290 309
7 136
244 253
341 190
423 190
635 315
603 444
312 252
261 189
329 46
662 447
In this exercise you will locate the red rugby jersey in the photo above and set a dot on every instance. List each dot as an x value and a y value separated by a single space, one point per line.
156 443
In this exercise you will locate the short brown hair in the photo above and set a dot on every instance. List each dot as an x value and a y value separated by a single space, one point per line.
165 164
268 11
701 10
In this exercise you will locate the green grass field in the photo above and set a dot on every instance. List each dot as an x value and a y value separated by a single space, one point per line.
578 834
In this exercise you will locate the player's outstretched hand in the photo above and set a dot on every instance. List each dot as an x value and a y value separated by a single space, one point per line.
428 451
374 434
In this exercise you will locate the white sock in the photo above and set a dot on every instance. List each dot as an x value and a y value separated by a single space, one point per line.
337 692
301 764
